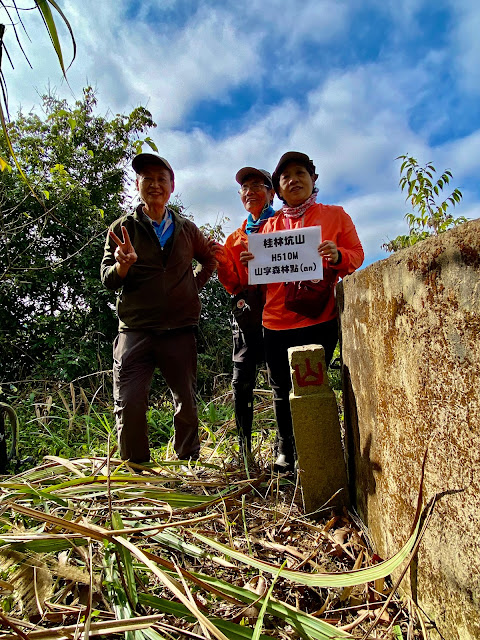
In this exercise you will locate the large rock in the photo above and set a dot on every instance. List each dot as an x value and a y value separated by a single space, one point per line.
316 427
411 353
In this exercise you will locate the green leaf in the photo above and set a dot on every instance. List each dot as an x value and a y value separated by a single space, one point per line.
126 557
259 623
46 545
38 493
172 586
230 629
4 165
12 152
151 144
46 194
72 122
46 13
397 632
345 579
305 624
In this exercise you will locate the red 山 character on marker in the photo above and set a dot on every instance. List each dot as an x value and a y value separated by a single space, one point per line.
311 377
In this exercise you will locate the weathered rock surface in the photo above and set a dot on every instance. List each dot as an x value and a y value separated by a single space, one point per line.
316 426
411 353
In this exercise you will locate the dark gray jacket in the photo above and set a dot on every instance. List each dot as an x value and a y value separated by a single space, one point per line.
160 291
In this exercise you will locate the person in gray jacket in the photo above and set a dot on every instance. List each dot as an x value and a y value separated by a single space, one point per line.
148 260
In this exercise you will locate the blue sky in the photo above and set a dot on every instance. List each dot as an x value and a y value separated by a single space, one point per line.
352 83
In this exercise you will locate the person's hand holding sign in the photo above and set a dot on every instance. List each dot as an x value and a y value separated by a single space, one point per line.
328 249
124 253
246 255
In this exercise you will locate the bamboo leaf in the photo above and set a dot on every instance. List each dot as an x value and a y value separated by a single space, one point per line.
346 579
307 625
259 623
89 530
232 630
170 584
45 545
126 558
104 629
46 13
171 540
38 493
12 152
150 634
47 16
67 464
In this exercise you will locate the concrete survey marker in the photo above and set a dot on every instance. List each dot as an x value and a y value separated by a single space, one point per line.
317 429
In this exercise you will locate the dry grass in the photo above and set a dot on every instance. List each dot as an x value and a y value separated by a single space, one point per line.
94 546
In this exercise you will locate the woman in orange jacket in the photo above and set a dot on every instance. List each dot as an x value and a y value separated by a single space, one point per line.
294 183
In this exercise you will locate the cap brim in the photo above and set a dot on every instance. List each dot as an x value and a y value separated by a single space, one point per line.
291 156
243 174
142 160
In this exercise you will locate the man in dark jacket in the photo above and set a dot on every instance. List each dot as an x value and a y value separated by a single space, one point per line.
148 260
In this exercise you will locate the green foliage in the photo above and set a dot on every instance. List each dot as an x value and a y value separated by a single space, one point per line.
334 370
57 320
45 428
215 336
430 216
214 339
69 422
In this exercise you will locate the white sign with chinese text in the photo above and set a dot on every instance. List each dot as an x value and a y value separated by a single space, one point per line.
285 256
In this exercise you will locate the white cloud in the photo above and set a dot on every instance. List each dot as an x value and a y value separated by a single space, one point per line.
169 69
466 43
378 217
462 157
299 23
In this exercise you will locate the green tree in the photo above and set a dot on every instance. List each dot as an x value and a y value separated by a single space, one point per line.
56 319
215 335
431 214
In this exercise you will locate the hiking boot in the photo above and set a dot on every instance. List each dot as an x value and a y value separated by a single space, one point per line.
283 464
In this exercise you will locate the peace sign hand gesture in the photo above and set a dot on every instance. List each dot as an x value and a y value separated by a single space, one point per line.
124 253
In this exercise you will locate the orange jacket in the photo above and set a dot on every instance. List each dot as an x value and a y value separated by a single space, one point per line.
337 226
231 272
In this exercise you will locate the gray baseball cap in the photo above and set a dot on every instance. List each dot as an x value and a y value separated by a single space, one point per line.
142 160
246 172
